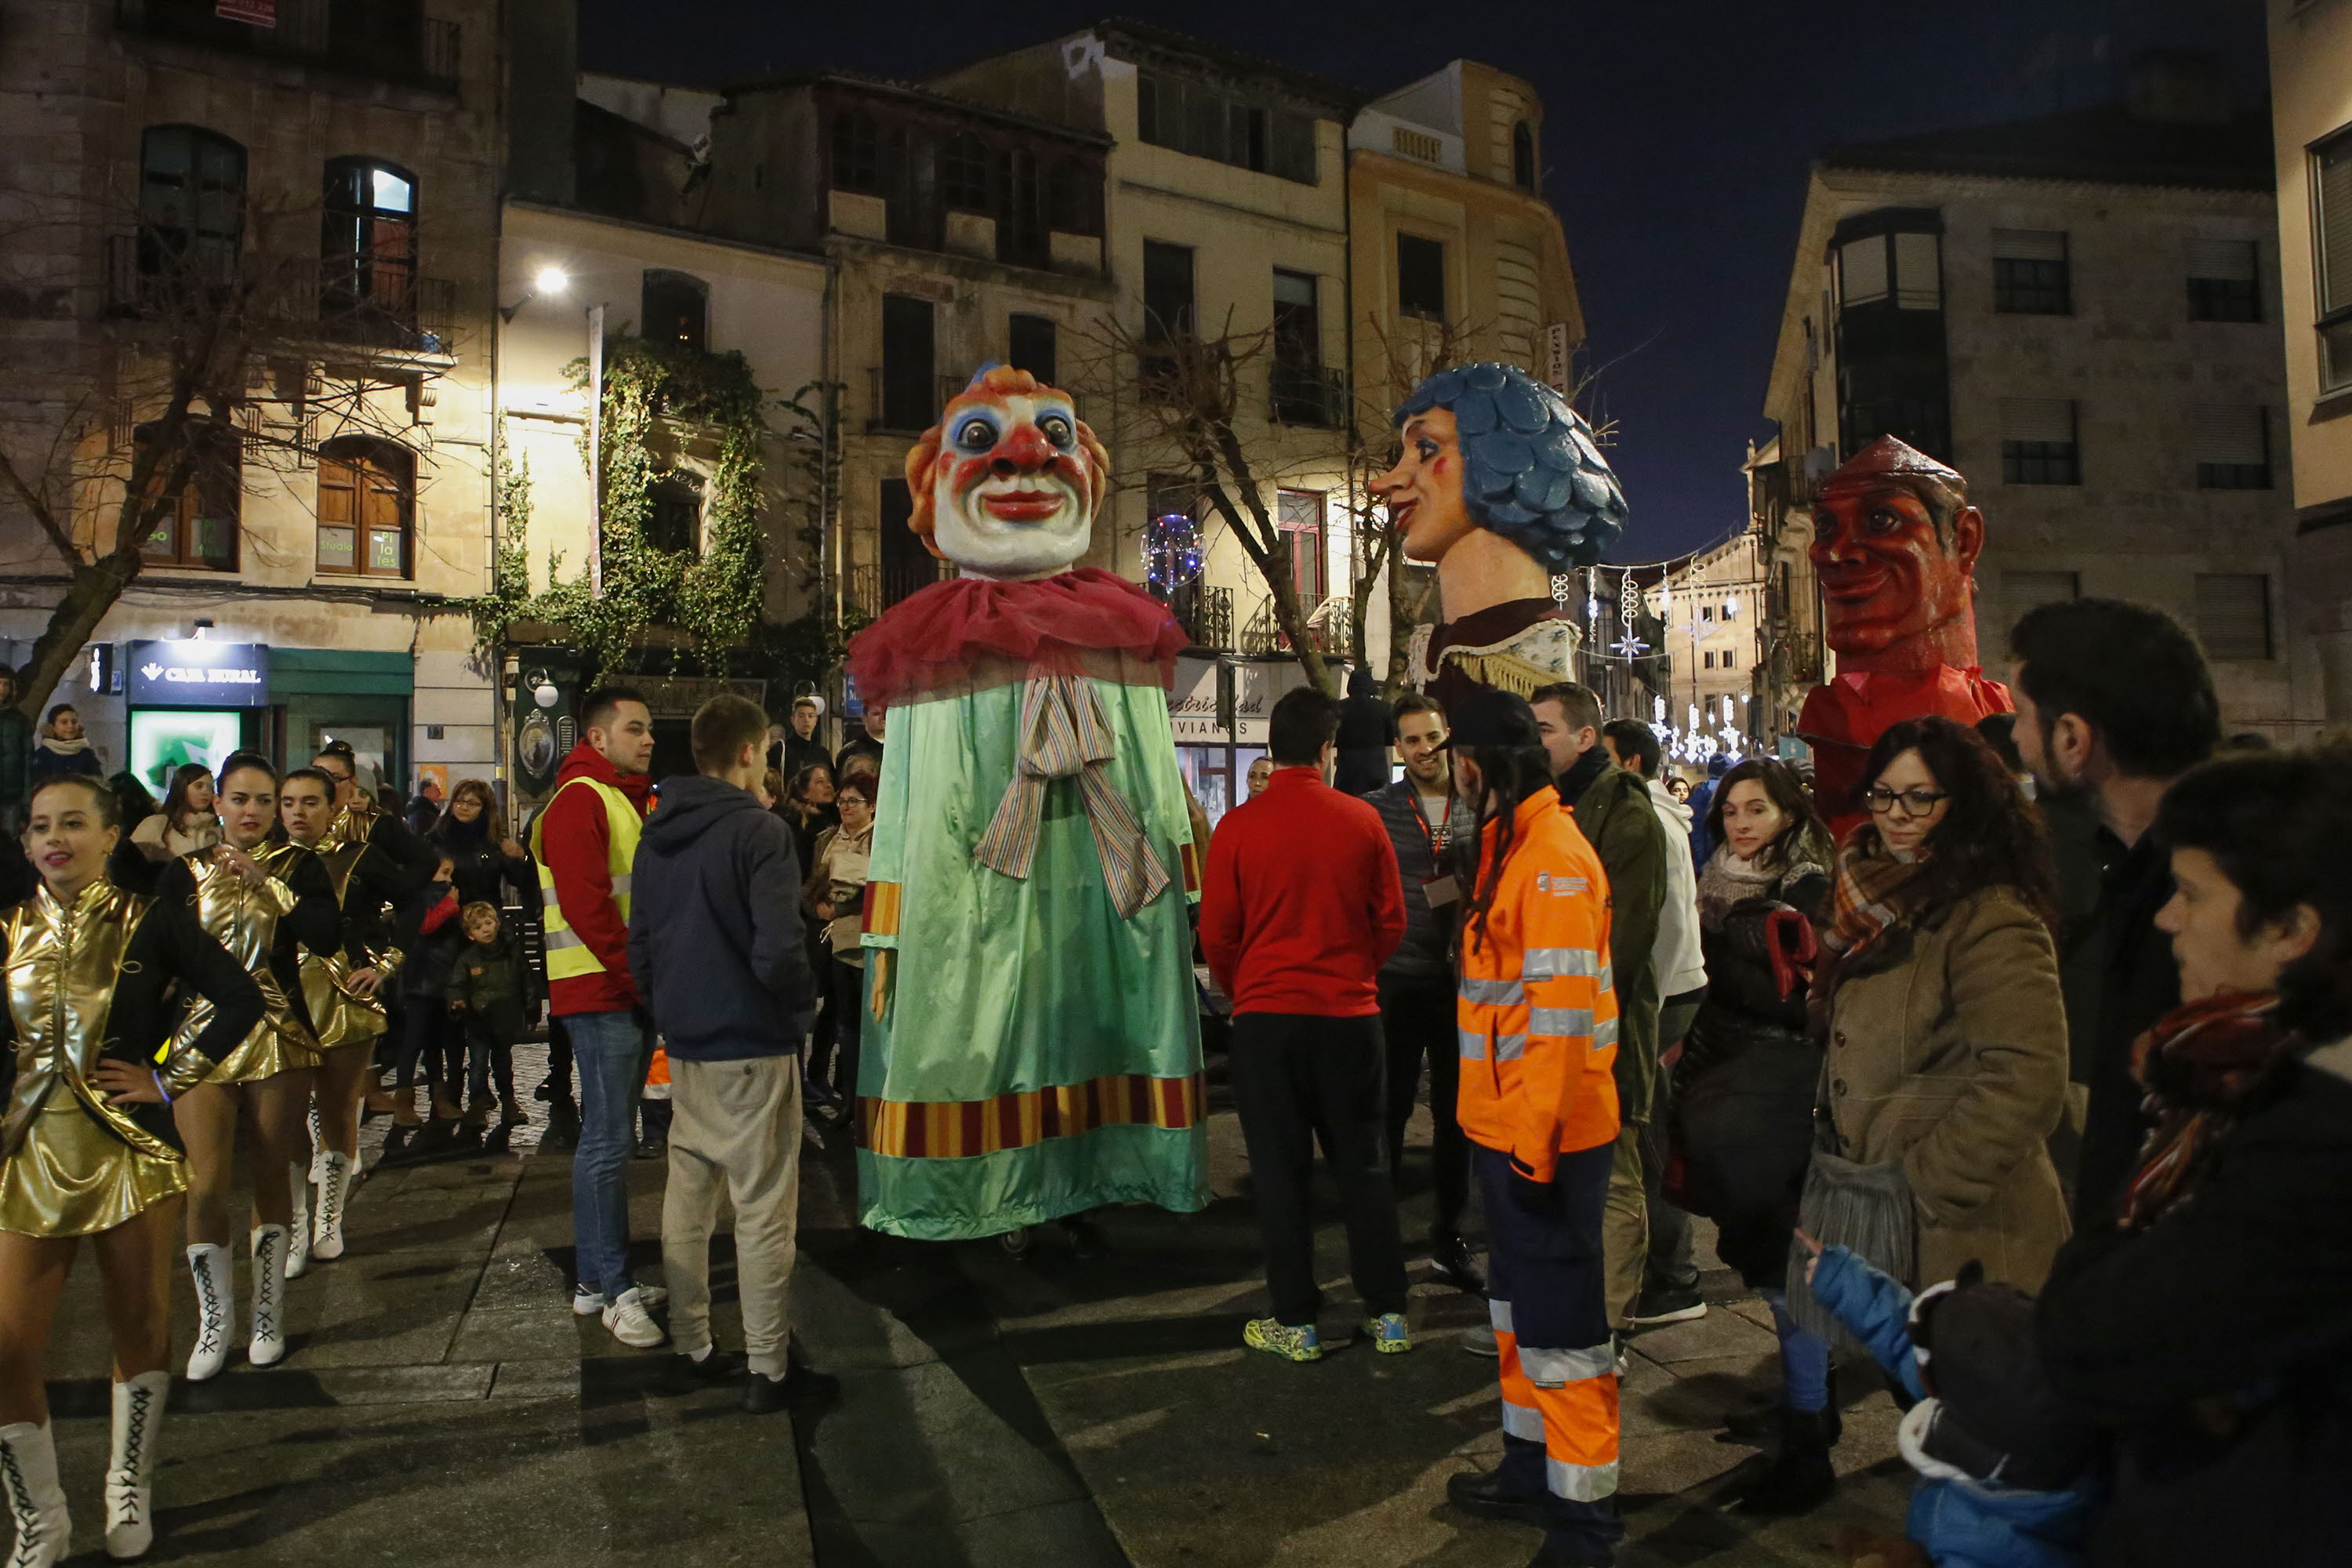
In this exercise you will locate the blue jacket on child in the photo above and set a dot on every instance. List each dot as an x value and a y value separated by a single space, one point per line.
1959 1520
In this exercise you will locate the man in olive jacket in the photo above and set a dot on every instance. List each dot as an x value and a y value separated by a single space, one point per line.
1614 812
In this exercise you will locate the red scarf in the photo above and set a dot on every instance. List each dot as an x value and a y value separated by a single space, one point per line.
2204 1066
974 628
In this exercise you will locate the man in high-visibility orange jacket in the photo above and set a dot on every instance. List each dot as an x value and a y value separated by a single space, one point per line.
1536 1018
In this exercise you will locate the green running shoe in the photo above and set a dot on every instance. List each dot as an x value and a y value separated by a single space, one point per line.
1280 1338
1389 1334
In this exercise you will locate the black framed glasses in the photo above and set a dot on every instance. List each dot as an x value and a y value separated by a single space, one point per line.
1915 802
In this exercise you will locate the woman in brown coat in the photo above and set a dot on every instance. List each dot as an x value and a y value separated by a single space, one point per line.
1946 1034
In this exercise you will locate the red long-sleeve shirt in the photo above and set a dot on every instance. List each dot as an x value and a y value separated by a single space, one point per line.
1302 903
576 837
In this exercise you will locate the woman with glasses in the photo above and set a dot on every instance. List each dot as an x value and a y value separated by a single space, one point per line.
1938 987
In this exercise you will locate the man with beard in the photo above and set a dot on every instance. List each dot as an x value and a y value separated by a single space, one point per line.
2113 703
1896 546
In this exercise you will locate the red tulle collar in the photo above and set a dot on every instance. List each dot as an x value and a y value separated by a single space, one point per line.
955 632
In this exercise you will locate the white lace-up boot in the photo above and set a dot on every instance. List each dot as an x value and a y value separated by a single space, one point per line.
28 1475
298 1229
334 1187
215 1272
130 1498
268 1343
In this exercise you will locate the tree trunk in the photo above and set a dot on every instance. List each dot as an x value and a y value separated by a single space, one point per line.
93 592
1258 535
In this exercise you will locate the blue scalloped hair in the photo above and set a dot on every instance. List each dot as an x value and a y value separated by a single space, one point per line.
1530 470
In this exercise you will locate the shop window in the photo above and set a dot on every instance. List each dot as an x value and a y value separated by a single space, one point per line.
367 507
1034 344
908 343
857 154
1421 276
367 248
1298 514
200 530
675 307
963 174
2223 285
2231 445
2032 274
674 513
2233 615
190 202
2037 444
1523 156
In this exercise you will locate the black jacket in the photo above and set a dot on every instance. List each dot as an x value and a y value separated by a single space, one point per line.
2120 977
2218 1344
716 940
1428 936
1743 1090
477 866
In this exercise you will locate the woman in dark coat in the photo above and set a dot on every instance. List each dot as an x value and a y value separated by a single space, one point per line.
477 861
1743 1092
2208 1324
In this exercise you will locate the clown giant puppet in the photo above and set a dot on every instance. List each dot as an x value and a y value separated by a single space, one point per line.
1895 547
1033 1048
1499 485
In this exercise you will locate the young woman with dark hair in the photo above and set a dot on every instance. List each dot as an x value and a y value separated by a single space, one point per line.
95 975
1938 992
1742 1098
263 903
189 820
480 859
2204 1320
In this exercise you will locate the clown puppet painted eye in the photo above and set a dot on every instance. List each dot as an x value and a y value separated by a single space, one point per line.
975 433
1057 429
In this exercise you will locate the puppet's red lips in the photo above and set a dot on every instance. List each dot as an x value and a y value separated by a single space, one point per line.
1400 514
1021 505
1863 582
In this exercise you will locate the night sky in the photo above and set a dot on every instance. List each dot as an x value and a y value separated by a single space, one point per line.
1676 141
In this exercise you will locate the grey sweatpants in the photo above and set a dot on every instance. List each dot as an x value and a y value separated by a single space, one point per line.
735 1127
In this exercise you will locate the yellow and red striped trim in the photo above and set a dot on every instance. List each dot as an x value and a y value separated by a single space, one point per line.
958 1129
882 909
1191 856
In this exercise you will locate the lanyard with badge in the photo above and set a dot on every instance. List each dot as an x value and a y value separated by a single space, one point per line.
1440 891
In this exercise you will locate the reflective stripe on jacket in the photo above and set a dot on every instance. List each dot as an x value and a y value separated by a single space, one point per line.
1537 1014
568 957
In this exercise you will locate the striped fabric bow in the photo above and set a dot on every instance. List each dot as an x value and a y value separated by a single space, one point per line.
1064 734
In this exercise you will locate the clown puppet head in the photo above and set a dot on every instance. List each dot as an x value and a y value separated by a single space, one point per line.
1007 483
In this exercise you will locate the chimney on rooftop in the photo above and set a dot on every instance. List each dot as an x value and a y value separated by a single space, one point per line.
2177 87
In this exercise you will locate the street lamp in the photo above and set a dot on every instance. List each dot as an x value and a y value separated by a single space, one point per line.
550 281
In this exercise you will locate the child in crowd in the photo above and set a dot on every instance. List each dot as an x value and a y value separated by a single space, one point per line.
2008 1478
426 1038
485 993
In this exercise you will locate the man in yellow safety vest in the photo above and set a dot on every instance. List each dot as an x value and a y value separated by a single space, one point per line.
585 842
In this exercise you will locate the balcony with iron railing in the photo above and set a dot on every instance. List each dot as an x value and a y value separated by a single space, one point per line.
870 589
1206 614
385 40
398 312
1327 628
1307 395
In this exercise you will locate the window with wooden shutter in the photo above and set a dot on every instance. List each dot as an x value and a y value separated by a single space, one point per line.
2230 445
367 497
1298 514
2031 275
2233 615
2331 191
367 253
2038 443
2222 283
201 528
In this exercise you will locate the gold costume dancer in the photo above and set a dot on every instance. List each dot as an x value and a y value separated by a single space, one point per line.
88 1146
263 903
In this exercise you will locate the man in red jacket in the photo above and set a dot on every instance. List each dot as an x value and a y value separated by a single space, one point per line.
1300 908
585 842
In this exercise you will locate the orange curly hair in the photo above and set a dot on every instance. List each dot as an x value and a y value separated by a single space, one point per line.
923 456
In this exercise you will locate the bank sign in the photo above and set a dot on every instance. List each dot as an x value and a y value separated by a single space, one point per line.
198 673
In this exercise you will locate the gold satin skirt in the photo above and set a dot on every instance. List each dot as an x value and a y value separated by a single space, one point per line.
265 1053
72 1177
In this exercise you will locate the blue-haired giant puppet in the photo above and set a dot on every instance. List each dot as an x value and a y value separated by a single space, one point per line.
1499 485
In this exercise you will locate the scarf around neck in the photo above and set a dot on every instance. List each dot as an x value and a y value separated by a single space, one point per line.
2206 1066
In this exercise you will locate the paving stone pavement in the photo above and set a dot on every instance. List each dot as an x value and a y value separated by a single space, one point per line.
442 1405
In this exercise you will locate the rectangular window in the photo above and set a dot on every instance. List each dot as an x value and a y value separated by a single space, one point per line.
1421 276
2223 285
1862 276
2331 203
190 202
200 529
1707 659
2038 442
963 174
1303 394
1167 290
2233 615
908 395
1034 347
1191 117
1918 273
2231 445
2031 273
1300 515
908 564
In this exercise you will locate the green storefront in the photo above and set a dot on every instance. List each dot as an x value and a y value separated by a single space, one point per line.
319 695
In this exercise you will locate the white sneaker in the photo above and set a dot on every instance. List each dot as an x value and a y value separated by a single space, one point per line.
630 1322
591 1303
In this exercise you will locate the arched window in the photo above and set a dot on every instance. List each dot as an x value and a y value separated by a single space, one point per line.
1523 156
857 154
200 527
367 507
963 174
674 521
676 308
367 246
190 202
